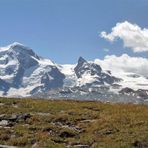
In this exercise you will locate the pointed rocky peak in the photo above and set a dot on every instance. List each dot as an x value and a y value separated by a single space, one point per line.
81 67
81 60
89 67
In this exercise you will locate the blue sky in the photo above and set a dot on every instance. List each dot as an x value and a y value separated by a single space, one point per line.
63 30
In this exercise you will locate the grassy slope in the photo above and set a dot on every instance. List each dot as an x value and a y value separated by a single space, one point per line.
71 123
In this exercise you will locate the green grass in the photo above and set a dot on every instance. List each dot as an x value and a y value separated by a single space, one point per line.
59 124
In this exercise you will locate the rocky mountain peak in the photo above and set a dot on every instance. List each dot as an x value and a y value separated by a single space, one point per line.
20 49
81 60
86 67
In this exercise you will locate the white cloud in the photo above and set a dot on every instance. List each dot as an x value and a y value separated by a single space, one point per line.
125 63
133 36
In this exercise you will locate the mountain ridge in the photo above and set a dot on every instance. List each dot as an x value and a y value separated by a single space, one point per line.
23 73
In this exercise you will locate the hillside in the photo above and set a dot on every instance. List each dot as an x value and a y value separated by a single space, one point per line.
50 123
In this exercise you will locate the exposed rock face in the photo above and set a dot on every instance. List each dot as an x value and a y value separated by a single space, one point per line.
50 80
84 67
138 93
126 91
4 87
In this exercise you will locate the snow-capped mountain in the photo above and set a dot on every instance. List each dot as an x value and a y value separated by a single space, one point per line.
23 73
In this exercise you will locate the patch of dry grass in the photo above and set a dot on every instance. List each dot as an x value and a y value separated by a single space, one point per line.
74 123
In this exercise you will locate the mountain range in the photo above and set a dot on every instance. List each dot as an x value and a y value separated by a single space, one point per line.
25 74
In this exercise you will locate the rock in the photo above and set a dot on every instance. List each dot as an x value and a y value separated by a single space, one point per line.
140 144
81 146
2 116
6 146
66 134
24 116
141 93
2 104
13 118
126 90
4 123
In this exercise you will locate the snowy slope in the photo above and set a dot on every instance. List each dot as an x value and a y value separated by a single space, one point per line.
129 79
70 76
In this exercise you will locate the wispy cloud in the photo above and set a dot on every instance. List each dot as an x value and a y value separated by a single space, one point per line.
133 36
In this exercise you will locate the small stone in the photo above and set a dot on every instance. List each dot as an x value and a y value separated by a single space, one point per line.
13 118
4 123
24 116
2 104
2 116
